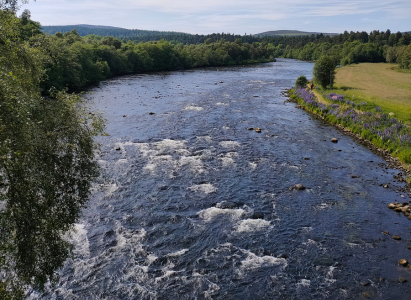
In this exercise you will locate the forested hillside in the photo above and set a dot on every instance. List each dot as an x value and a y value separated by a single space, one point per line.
346 48
121 33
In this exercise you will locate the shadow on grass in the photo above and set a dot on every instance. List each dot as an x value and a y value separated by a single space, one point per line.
397 69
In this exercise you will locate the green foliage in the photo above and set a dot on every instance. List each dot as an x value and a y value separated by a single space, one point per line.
301 81
46 165
324 71
74 62
404 57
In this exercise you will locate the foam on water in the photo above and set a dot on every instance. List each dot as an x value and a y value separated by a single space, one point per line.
103 163
322 206
253 261
250 225
204 188
168 156
157 161
193 108
310 242
78 237
210 213
121 166
205 138
178 253
109 189
304 283
252 165
306 229
128 238
329 276
194 163
220 103
228 159
229 144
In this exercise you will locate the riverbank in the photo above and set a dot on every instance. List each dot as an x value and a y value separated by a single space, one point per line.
381 133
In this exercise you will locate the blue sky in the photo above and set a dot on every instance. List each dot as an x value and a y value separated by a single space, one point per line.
230 16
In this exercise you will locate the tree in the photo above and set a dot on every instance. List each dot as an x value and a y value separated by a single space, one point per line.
301 81
324 71
46 165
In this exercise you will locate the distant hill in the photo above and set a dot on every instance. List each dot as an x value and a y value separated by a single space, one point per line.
94 26
138 35
122 33
291 32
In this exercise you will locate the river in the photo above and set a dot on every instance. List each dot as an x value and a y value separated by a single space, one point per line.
193 205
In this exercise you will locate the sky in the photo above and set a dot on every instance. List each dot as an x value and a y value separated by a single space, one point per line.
229 16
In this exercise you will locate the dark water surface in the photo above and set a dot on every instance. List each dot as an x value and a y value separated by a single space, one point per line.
195 206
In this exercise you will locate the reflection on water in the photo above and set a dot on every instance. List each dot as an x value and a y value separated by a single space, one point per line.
195 206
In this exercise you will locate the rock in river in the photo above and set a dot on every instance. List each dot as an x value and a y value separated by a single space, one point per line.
257 129
396 237
402 280
257 215
365 282
403 262
297 187
334 140
392 206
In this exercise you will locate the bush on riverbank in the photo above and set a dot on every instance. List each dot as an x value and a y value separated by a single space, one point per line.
368 121
301 81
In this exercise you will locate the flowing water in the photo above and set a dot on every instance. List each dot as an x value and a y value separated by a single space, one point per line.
195 206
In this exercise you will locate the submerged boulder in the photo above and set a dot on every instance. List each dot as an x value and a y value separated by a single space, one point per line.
299 187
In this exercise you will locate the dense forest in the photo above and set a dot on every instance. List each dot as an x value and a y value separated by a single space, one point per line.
137 35
346 48
120 33
74 62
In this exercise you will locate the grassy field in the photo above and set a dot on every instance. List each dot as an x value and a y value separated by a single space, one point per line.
376 83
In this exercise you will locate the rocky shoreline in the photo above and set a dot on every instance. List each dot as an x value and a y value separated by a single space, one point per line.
393 163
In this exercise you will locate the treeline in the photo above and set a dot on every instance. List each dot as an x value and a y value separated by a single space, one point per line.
137 35
75 62
120 33
348 48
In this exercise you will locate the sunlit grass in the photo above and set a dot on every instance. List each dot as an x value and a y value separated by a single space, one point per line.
377 83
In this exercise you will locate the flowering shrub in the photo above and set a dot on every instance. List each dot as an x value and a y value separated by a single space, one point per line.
383 130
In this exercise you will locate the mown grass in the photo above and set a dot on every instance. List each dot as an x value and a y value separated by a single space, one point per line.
376 83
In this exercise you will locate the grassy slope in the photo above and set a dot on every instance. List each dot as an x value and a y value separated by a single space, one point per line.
377 83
